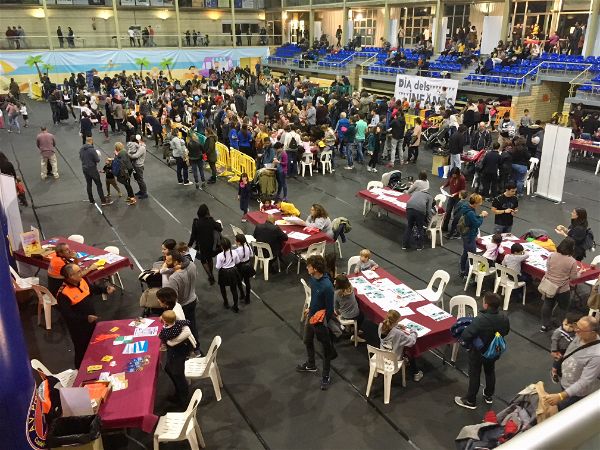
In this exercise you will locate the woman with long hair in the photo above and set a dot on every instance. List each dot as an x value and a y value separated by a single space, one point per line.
205 235
395 337
318 218
578 231
345 303
281 165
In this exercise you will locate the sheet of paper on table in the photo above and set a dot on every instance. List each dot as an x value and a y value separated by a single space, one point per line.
118 381
272 211
295 220
123 340
110 258
413 326
135 348
370 274
299 236
384 283
406 311
141 323
149 331
357 281
433 311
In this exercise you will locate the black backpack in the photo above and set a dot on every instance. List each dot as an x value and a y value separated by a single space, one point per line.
293 144
588 242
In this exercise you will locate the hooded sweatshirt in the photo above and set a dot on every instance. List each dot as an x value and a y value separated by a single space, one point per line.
89 157
137 153
397 339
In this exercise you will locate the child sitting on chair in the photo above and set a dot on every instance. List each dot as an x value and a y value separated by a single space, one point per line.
177 337
365 263
345 304
395 337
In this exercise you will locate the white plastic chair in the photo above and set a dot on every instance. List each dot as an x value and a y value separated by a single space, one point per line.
306 161
181 426
594 313
436 295
367 205
66 377
386 363
597 168
307 292
508 280
352 261
529 179
325 160
263 254
77 238
236 230
461 303
354 324
318 248
206 367
115 251
439 199
479 267
45 298
435 229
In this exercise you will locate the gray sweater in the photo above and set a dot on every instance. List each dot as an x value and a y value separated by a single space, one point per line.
419 185
561 340
397 339
346 305
184 283
420 201
137 153
580 372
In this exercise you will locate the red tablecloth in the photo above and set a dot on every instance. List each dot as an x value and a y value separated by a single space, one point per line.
291 245
383 204
472 156
440 331
589 272
132 407
93 276
583 145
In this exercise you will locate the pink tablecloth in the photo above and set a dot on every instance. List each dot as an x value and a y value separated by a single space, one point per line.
132 407
291 245
583 145
440 331
589 273
93 276
371 197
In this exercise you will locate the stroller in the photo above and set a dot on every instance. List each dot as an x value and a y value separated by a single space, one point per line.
264 184
436 136
394 180
473 167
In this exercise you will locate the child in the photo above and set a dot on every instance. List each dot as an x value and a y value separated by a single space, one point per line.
228 274
286 208
374 146
267 205
110 178
560 340
394 337
493 249
23 112
365 263
177 337
515 259
244 195
244 266
345 304
104 128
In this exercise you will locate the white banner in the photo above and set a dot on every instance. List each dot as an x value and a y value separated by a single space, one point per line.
425 89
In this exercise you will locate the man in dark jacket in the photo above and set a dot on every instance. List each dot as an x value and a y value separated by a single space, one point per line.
195 150
322 114
456 144
89 159
489 172
396 130
485 326
271 234
482 138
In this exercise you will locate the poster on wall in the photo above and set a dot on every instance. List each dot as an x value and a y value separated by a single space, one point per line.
425 89
248 4
127 2
223 3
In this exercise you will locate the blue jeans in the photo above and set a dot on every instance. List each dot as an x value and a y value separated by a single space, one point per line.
502 228
469 245
359 151
197 166
281 185
182 170
519 172
349 151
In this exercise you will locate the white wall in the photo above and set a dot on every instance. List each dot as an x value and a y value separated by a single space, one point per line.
330 20
477 13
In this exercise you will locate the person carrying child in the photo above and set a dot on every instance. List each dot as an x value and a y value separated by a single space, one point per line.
110 178
176 337
228 274
493 249
244 266
560 340
244 192
365 262
345 304
395 337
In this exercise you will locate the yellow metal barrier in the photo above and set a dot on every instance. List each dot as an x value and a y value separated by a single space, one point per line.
36 92
223 161
248 166
435 121
564 119
410 120
235 157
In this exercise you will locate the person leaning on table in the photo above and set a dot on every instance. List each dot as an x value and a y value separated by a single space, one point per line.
580 365
76 305
561 268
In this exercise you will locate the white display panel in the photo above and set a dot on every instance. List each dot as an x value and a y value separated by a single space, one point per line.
553 164
491 33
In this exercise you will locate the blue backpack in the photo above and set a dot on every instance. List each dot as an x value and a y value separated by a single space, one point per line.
457 329
496 347
116 167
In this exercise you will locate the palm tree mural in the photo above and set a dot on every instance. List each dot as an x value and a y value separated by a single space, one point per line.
142 62
35 61
167 63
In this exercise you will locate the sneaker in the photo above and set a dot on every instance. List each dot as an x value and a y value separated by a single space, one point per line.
180 182
332 170
325 382
235 309
464 403
358 339
419 249
244 220
106 202
544 329
197 186
56 177
488 399
143 196
131 201
188 183
349 167
418 376
44 177
374 170
404 247
368 169
304 367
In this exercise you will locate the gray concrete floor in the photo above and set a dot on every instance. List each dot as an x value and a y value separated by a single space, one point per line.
266 404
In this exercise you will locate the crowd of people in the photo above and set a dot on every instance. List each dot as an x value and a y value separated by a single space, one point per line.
15 37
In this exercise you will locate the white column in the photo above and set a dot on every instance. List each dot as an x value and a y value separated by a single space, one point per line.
47 21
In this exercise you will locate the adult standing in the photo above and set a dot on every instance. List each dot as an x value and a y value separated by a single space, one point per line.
578 231
210 148
136 149
61 39
482 138
76 305
46 144
15 90
397 126
415 141
85 127
505 208
574 38
455 184
281 166
108 112
178 150
472 222
319 312
89 159
418 213
311 114
485 326
561 268
338 36
205 235
507 129
360 136
122 169
71 38
456 144
400 38
195 150
489 172
520 164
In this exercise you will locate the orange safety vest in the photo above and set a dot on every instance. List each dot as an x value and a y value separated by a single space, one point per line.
56 263
75 293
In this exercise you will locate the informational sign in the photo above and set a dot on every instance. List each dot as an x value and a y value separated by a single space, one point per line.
553 164
425 89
